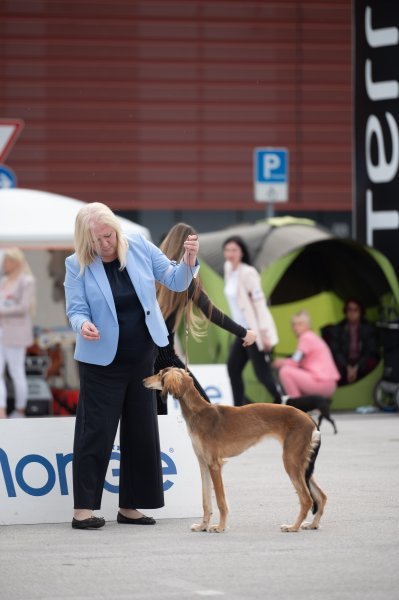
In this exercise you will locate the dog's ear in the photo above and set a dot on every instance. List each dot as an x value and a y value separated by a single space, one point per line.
163 392
172 382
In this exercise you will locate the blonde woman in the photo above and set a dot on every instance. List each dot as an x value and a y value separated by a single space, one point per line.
173 305
311 369
111 305
17 300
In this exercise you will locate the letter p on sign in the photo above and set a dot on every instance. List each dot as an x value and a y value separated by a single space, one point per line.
271 174
271 162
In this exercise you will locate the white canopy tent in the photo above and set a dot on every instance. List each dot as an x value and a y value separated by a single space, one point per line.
42 225
36 219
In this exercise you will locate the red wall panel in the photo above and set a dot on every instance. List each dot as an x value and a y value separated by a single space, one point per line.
159 104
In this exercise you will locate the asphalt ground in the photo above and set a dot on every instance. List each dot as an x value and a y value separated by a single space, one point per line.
354 555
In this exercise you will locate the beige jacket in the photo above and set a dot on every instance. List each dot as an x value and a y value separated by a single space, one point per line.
15 313
251 301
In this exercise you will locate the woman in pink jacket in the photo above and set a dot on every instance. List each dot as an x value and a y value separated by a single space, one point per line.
311 369
17 297
248 307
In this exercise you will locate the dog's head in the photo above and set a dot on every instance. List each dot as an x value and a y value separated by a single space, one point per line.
171 380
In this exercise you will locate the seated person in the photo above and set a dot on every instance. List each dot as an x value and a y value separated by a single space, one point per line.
311 369
354 344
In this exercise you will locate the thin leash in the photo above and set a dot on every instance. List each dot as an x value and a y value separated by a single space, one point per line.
186 315
188 267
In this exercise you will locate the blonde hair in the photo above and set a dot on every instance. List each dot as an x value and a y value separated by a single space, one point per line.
303 316
16 255
88 215
169 301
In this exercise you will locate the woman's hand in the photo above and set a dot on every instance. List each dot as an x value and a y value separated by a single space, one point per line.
89 331
249 339
266 345
278 363
191 246
351 373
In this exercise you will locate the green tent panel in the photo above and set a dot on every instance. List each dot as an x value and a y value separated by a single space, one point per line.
317 276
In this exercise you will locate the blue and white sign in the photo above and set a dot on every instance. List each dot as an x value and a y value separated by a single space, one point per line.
36 463
36 471
214 381
271 174
8 178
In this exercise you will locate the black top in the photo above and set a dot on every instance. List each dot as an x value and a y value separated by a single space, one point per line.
210 311
338 338
167 354
133 331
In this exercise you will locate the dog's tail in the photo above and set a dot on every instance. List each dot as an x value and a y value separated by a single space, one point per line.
314 450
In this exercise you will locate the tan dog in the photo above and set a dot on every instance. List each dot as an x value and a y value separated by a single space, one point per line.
218 432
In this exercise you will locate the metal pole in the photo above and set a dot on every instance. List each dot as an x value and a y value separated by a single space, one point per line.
270 210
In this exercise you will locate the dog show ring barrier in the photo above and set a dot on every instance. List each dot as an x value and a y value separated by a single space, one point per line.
36 464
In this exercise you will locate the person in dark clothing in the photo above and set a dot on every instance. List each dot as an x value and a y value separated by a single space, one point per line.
174 304
354 344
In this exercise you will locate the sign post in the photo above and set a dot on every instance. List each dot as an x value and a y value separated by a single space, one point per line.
10 130
271 176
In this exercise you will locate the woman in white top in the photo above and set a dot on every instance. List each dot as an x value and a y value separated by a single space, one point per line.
17 298
248 307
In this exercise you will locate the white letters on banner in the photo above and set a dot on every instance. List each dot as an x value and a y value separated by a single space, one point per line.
377 131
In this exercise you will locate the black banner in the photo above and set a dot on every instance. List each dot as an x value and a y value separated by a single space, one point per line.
376 125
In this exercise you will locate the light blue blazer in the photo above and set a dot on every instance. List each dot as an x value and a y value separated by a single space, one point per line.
89 297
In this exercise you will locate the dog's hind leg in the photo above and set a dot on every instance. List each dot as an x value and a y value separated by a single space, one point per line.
333 424
305 500
206 497
325 414
295 460
319 420
320 501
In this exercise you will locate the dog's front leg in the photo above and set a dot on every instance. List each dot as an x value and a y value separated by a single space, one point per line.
206 498
216 474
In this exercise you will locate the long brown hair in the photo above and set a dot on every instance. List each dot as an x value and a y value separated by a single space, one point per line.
169 301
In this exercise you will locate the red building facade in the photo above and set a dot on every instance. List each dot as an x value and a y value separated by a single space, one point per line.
158 105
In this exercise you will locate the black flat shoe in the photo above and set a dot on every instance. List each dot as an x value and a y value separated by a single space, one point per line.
90 523
141 521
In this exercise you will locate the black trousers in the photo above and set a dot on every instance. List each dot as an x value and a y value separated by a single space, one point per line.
107 394
238 358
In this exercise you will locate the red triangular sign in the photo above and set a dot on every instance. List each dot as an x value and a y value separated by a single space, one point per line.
9 132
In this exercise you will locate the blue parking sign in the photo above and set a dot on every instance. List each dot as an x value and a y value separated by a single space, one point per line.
8 178
271 174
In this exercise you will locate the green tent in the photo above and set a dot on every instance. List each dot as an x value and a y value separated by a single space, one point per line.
302 266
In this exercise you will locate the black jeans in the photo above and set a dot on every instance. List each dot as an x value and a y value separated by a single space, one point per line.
238 358
108 394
